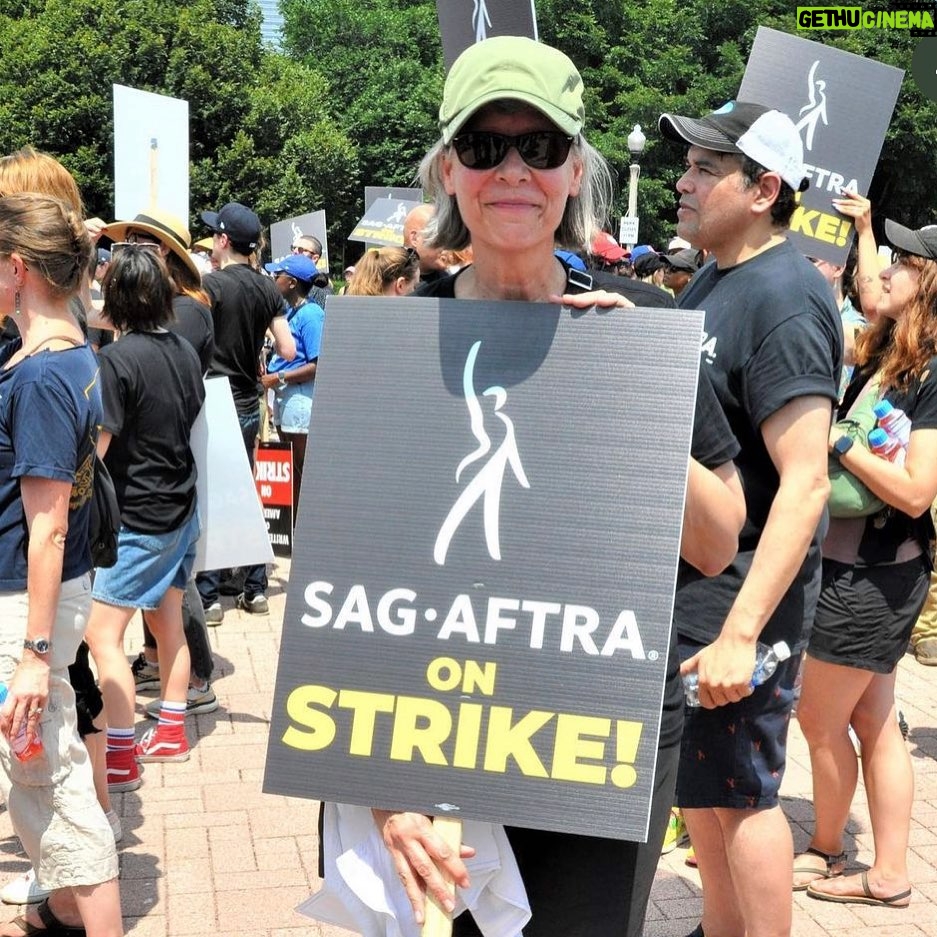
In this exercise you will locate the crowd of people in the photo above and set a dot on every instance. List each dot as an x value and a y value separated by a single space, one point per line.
518 203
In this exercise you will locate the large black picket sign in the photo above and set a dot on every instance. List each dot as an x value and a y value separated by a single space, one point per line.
419 670
842 104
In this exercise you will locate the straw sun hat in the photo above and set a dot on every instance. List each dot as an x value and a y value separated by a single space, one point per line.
161 224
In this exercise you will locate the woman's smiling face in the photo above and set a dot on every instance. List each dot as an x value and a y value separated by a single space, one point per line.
511 206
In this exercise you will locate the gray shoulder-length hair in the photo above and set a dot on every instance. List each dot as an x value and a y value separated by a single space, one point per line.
583 216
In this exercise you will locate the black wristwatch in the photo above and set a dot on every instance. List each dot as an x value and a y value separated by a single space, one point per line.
842 446
39 646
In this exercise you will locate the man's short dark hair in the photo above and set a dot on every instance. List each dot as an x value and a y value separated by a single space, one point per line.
783 208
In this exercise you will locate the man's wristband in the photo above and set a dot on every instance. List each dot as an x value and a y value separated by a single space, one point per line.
281 380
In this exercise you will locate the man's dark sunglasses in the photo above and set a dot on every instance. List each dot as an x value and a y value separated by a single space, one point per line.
542 149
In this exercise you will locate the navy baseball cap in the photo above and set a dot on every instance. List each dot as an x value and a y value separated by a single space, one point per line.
298 266
237 221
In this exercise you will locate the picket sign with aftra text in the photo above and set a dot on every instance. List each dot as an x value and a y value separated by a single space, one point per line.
483 568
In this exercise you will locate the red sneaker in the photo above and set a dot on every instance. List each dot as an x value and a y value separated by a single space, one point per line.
123 772
163 744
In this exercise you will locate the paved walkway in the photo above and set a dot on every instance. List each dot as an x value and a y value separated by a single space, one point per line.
206 853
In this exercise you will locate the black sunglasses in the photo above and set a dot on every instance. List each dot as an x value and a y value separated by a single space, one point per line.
140 237
119 246
900 256
542 149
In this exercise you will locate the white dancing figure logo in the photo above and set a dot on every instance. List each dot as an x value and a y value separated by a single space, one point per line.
814 110
488 480
480 20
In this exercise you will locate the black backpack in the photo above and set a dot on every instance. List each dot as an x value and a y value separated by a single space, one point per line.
105 517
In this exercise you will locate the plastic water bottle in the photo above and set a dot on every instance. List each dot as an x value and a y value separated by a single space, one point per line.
23 750
767 658
895 422
886 447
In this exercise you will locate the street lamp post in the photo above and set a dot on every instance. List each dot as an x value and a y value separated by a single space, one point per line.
636 141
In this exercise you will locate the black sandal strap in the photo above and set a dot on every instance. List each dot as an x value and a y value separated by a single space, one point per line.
54 925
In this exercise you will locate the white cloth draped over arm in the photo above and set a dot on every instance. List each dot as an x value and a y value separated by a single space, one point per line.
363 893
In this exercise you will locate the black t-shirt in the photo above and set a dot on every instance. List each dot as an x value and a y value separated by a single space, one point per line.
639 292
152 387
243 305
193 322
772 334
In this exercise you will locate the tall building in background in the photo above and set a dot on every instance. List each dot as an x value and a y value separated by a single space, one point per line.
273 21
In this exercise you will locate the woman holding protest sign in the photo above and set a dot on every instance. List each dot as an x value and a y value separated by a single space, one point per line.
513 176
876 572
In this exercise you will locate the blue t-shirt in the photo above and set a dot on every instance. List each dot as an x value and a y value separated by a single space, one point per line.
306 323
50 409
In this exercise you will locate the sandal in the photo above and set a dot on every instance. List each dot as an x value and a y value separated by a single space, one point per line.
820 874
53 926
899 900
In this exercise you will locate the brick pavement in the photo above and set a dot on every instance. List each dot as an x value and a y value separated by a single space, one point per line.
205 852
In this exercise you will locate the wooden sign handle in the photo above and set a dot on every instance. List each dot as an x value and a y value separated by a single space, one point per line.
438 923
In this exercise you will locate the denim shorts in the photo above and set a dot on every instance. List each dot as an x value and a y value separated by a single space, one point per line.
148 565
292 407
734 755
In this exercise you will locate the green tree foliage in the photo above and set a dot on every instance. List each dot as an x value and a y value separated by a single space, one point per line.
260 125
639 58
382 60
354 100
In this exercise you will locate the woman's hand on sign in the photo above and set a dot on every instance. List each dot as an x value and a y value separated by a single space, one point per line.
424 861
855 206
601 298
724 669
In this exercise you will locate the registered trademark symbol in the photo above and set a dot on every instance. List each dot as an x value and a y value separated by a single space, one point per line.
652 655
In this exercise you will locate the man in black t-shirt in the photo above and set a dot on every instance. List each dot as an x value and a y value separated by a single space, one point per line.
773 347
244 305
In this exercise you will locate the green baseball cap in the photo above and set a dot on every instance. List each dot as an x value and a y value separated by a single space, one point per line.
512 67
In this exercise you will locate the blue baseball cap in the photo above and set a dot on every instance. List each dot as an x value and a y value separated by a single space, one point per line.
640 250
573 260
298 266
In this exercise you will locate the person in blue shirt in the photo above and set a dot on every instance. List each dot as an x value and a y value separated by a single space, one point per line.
293 381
